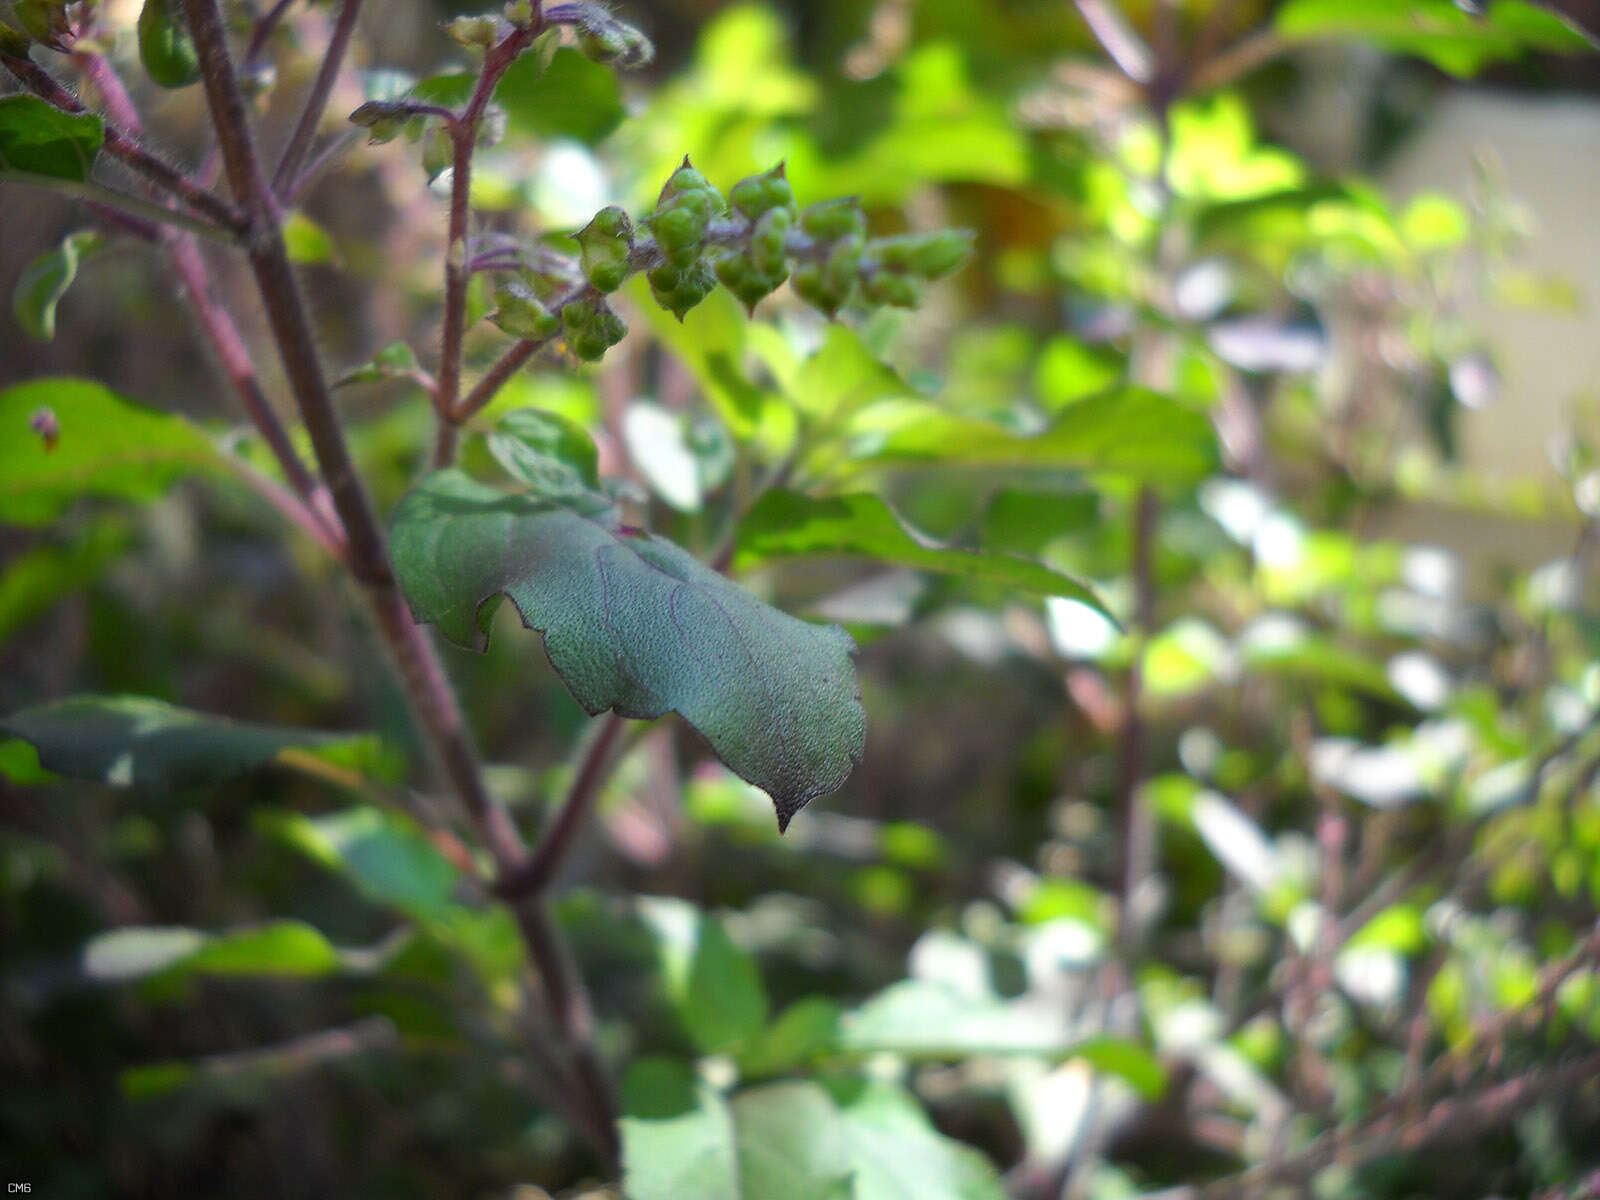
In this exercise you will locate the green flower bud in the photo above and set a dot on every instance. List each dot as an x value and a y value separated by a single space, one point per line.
165 47
810 286
938 254
520 13
477 33
769 241
680 232
686 181
740 275
604 39
592 328
521 314
605 244
762 193
834 219
664 278
844 262
885 287
694 284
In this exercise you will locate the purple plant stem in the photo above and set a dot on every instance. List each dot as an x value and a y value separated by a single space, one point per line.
426 686
283 181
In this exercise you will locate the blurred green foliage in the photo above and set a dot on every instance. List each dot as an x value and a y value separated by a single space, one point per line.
1200 832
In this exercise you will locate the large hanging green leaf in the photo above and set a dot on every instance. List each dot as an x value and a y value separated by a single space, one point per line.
134 741
1132 431
40 139
103 445
795 1140
1442 31
788 523
633 623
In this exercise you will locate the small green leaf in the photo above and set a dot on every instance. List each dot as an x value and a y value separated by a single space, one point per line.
1441 31
165 45
1129 431
391 861
307 242
284 948
796 1140
551 454
397 360
134 741
35 580
713 985
107 446
281 948
786 523
385 856
632 622
806 1030
46 279
41 139
570 98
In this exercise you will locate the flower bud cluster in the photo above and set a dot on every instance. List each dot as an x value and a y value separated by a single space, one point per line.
750 242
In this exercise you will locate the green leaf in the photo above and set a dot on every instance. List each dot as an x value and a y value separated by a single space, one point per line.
393 862
898 1155
570 98
35 580
632 622
710 341
787 523
1026 522
1441 31
41 139
307 242
107 446
841 377
281 948
1130 431
397 360
552 454
804 1031
285 948
924 1020
134 741
788 1141
712 984
386 857
46 279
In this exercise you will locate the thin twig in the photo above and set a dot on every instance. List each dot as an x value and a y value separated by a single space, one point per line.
95 193
463 141
290 506
1237 60
1118 38
262 32
1461 1117
1137 827
305 129
540 867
